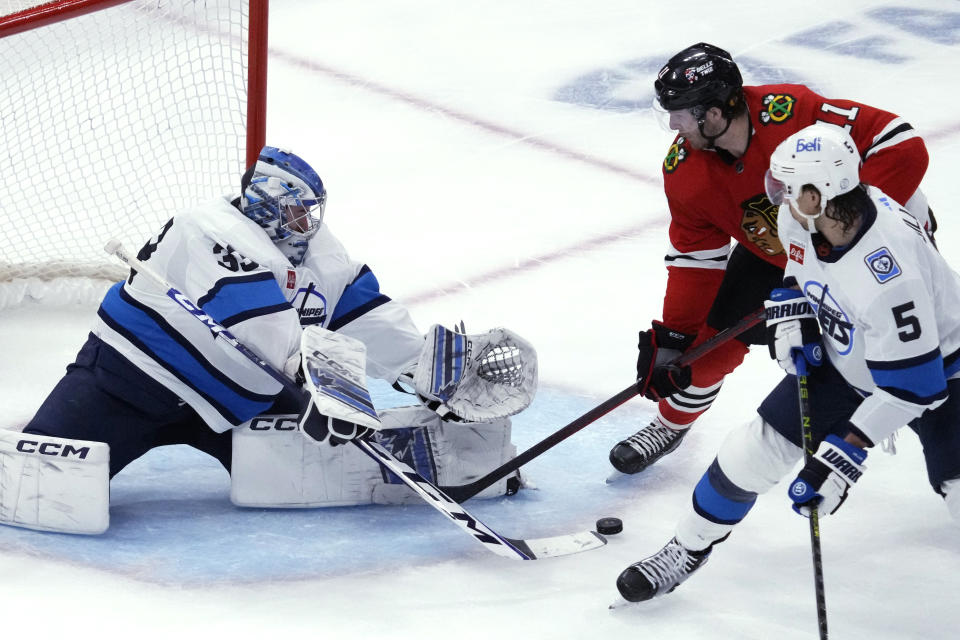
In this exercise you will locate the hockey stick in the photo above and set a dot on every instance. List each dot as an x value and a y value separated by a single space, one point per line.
530 549
803 392
464 492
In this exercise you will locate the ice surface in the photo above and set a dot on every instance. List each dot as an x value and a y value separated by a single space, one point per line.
495 162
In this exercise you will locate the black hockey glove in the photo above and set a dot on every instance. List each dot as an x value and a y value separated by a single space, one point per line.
659 346
327 430
792 330
827 477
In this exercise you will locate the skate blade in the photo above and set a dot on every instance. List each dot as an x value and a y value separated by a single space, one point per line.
615 477
620 603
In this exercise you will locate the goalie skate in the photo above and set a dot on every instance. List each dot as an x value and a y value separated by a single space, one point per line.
661 573
645 447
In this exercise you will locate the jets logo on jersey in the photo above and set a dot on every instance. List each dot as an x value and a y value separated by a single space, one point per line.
778 108
882 265
675 155
797 251
310 305
834 322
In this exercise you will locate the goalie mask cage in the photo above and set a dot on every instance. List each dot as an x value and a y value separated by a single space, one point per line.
114 115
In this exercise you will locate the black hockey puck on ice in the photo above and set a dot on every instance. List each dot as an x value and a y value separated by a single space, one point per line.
609 526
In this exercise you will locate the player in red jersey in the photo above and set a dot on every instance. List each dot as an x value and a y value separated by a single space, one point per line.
713 177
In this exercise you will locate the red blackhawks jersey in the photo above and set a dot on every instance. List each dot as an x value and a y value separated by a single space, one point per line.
713 197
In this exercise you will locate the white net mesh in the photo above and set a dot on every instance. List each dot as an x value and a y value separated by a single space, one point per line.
112 122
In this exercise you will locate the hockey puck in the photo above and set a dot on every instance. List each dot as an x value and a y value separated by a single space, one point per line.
609 526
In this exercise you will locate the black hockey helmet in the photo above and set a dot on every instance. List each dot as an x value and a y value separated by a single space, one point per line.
702 76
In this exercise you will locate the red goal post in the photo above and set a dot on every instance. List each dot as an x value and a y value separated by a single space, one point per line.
114 115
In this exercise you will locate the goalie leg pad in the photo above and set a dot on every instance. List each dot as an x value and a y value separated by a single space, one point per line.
447 453
275 466
54 484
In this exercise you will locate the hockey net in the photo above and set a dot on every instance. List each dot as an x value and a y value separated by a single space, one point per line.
114 115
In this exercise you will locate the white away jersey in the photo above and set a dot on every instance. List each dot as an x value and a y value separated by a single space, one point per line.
227 265
888 305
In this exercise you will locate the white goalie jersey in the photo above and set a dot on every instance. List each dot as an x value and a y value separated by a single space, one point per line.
233 271
888 305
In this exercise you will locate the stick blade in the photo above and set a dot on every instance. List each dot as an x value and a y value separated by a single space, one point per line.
563 545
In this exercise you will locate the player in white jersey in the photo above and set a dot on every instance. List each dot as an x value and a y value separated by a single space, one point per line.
865 285
263 265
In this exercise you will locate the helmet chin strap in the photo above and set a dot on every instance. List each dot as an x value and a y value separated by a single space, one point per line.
711 140
810 218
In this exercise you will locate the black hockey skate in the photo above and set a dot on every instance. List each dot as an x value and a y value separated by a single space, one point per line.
645 447
661 573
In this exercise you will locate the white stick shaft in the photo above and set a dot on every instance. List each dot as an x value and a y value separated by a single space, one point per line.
115 248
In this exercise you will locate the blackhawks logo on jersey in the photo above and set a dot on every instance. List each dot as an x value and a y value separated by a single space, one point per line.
778 108
676 155
759 224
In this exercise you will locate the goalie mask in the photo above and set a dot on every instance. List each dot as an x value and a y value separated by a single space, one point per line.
286 197
822 155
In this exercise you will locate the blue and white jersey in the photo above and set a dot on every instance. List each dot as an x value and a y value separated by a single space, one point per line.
227 265
349 295
888 305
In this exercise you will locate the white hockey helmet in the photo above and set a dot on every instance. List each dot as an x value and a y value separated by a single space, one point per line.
283 194
822 155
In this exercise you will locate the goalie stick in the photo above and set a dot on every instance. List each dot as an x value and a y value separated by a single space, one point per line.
464 492
515 548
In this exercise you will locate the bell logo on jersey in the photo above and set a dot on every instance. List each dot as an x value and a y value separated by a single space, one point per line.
797 251
778 108
882 265
311 306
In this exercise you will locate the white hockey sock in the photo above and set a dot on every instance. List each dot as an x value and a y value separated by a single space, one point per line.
697 533
682 408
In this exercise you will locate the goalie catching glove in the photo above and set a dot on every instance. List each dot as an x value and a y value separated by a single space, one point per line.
826 478
477 378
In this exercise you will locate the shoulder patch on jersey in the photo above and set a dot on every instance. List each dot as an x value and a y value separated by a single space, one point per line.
675 155
778 108
882 265
797 251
